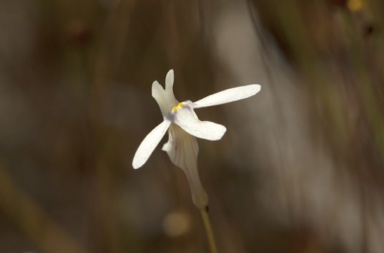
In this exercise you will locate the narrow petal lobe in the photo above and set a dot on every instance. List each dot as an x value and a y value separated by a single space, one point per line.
169 78
149 144
227 96
159 95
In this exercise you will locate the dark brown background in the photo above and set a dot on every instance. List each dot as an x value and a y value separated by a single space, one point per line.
300 168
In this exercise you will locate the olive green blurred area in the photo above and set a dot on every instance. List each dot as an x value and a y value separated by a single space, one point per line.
300 168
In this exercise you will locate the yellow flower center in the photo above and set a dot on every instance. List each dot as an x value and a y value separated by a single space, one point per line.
177 107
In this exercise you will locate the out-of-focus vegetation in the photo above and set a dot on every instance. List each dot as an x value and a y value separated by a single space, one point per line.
300 168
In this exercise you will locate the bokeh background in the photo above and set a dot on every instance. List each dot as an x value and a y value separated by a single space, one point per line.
300 168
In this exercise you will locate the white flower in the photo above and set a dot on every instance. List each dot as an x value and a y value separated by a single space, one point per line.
183 126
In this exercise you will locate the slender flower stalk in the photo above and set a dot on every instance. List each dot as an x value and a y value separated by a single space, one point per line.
183 125
208 230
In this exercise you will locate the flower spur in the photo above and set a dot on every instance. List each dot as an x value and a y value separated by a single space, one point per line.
183 126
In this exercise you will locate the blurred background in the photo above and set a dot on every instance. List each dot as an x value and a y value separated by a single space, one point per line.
300 169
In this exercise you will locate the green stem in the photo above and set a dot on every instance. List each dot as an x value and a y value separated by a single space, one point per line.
208 229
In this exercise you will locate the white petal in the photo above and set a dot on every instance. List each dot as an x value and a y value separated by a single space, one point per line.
158 94
169 80
149 144
186 118
227 96
164 98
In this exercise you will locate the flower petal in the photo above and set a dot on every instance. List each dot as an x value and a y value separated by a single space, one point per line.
149 144
165 98
187 119
158 94
169 80
227 96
